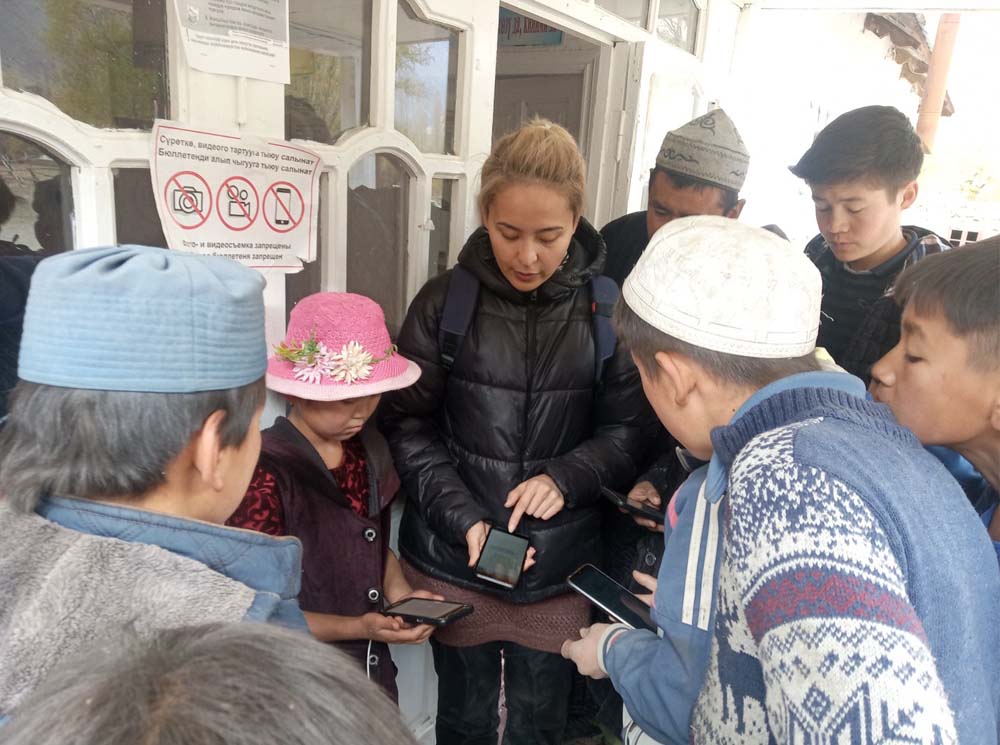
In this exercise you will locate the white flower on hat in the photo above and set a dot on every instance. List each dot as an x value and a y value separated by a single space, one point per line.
353 362
309 369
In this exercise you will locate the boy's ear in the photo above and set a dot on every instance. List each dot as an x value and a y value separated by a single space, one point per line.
995 413
207 450
679 372
734 213
908 194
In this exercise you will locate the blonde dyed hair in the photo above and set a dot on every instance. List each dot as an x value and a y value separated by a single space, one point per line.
540 152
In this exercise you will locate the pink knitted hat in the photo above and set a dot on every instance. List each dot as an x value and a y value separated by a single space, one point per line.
337 347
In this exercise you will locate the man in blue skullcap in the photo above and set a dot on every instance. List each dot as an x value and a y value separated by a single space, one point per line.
131 437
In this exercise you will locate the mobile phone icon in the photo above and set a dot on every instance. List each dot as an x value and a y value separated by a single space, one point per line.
282 206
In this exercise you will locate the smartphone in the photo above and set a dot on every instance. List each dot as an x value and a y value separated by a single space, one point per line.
611 597
636 508
285 195
502 558
423 610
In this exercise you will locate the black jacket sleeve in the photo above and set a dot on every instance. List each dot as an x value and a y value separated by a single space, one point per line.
610 455
408 419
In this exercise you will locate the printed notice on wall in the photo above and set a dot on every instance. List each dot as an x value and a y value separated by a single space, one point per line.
247 38
241 197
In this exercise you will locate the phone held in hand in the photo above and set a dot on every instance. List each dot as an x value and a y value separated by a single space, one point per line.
636 508
502 559
419 611
611 597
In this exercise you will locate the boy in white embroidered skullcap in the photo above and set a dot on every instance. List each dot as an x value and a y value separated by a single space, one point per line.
820 502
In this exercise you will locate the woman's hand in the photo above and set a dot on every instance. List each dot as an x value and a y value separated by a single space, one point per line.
475 537
538 497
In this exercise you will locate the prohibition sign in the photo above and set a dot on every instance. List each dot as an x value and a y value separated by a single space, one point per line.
235 195
280 210
188 199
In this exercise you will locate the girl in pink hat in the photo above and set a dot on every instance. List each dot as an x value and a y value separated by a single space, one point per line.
326 477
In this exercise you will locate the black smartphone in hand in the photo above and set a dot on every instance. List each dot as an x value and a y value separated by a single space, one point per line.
419 611
502 559
611 597
630 505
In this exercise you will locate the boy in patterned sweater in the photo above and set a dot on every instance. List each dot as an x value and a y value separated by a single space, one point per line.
840 614
862 170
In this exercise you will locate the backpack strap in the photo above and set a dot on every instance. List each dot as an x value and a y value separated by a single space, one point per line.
604 295
459 307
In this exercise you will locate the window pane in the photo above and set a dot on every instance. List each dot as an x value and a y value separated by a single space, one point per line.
631 10
677 23
426 65
440 238
331 49
136 219
377 233
310 280
101 61
41 218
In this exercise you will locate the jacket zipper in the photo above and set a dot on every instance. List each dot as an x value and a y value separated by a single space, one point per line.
529 359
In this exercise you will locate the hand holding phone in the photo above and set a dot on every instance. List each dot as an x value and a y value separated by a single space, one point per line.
504 557
611 597
391 630
422 611
645 514
475 538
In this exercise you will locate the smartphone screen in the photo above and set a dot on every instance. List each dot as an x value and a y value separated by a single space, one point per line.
503 558
610 596
422 608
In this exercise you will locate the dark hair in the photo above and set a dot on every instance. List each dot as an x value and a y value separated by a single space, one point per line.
82 443
644 341
727 197
876 144
7 202
962 284
220 684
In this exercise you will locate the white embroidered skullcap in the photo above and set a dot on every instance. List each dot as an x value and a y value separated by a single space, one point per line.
721 285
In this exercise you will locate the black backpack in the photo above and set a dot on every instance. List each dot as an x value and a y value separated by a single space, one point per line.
460 306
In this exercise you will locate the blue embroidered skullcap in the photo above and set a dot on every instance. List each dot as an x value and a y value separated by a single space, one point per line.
134 318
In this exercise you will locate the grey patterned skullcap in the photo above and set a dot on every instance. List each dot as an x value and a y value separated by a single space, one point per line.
708 148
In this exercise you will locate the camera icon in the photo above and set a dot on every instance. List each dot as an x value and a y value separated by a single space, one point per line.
187 200
239 202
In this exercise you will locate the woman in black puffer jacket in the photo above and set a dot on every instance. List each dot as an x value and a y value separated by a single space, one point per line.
517 434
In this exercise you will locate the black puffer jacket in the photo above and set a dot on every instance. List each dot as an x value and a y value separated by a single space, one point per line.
519 401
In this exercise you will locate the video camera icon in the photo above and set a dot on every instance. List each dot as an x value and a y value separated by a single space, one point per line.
239 202
187 200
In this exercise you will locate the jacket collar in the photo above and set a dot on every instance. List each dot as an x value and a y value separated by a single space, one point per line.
585 260
259 561
790 400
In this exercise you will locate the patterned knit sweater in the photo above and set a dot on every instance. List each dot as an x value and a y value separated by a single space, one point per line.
854 602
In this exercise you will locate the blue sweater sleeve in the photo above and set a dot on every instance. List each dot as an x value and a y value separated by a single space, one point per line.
659 677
